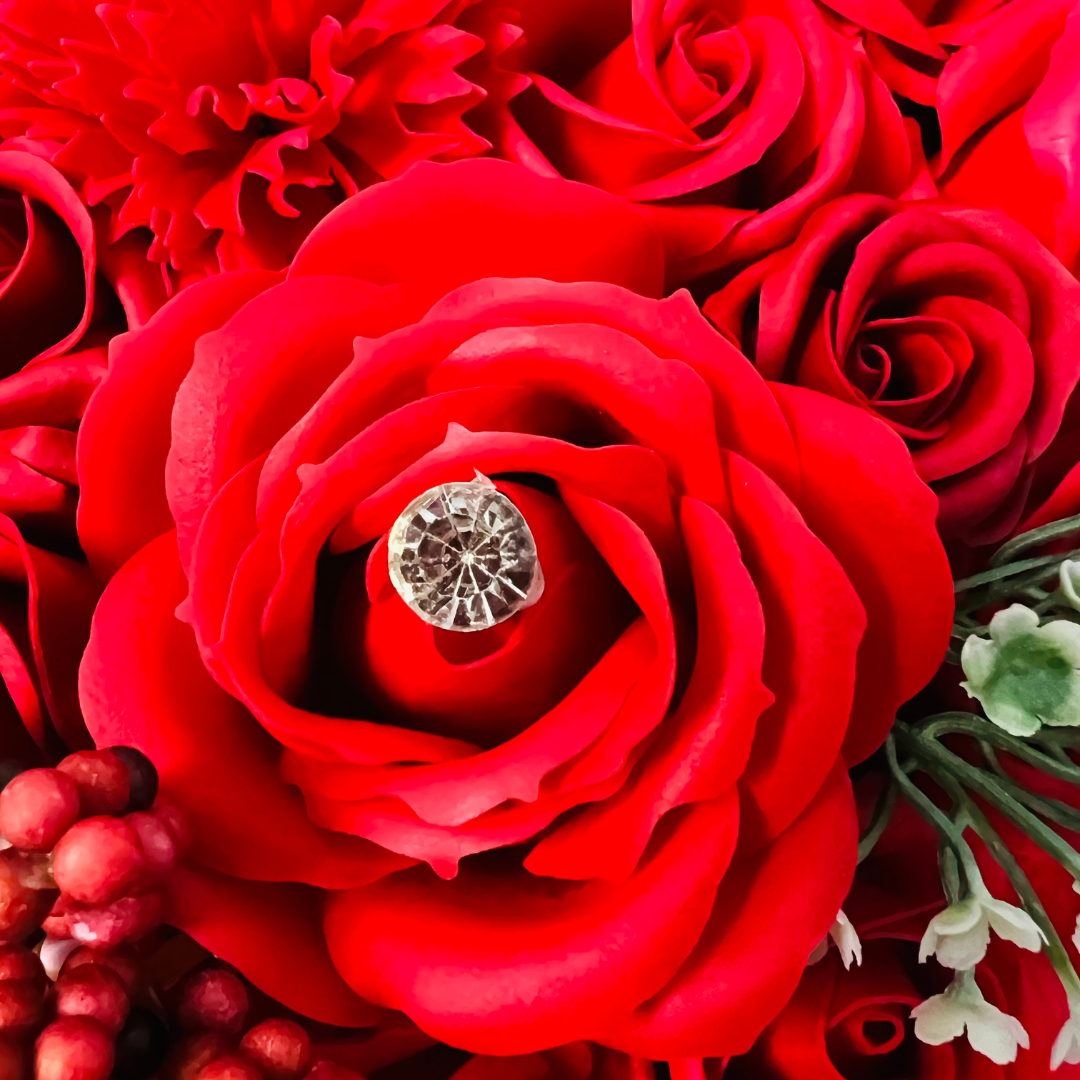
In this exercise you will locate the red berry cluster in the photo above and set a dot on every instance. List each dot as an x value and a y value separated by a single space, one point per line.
85 846
212 1010
92 831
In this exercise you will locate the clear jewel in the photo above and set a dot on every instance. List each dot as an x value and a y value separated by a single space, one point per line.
463 558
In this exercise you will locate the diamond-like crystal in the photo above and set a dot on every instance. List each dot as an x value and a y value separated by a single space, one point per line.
463 558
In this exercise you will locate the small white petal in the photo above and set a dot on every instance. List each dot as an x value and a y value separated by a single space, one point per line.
820 949
937 1021
847 940
995 1034
1013 924
1066 1048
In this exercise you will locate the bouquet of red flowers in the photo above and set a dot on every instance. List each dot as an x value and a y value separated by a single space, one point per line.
538 541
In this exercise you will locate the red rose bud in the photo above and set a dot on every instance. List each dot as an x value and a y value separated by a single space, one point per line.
122 959
22 1006
230 1067
102 779
97 860
281 1048
213 1000
142 777
191 1055
22 907
74 1048
37 808
158 844
126 919
93 990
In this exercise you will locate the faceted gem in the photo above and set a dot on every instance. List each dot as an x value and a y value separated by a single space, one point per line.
463 558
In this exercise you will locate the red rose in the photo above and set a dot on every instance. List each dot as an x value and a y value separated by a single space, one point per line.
402 1052
47 262
729 121
846 1025
52 298
1010 137
632 797
229 130
954 326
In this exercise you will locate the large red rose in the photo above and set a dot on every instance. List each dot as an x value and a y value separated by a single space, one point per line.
228 130
728 120
623 815
954 326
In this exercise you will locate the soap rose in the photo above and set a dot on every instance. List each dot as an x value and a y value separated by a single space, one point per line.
229 130
954 326
728 121
47 262
1010 137
621 815
47 592
846 1025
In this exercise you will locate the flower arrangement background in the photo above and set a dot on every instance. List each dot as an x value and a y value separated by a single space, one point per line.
762 317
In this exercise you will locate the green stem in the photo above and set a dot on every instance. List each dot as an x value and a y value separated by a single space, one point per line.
1034 537
879 819
983 784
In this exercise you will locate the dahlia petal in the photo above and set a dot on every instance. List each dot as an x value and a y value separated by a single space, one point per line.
122 503
143 684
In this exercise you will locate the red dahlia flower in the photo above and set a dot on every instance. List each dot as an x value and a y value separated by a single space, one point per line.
230 128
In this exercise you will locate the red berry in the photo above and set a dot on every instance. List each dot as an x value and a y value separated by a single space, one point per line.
102 779
74 1048
122 959
14 1059
37 808
22 1005
157 842
174 821
142 775
281 1048
93 990
189 1056
21 907
126 919
230 1067
213 1000
97 860
18 962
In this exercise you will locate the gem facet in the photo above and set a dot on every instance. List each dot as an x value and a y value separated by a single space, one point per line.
463 558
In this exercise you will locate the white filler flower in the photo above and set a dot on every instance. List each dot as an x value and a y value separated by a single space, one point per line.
991 1032
1025 675
959 935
